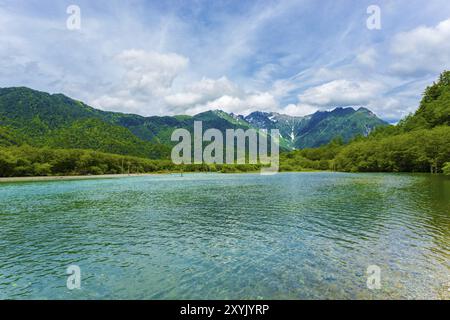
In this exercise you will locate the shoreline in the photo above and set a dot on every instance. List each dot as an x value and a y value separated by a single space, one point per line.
111 176
126 175
101 176
68 178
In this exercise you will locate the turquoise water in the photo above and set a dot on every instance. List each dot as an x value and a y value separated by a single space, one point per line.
226 236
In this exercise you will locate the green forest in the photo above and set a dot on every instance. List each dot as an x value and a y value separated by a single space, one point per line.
418 143
23 161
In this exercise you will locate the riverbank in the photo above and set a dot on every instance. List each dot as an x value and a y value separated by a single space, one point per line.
116 176
113 176
102 176
62 178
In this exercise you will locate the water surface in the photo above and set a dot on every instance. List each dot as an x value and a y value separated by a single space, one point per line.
227 236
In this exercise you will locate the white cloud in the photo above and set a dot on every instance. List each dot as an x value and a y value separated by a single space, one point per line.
261 101
150 72
121 101
225 103
182 99
212 89
422 50
201 92
221 93
389 107
340 93
299 109
147 77
266 67
240 105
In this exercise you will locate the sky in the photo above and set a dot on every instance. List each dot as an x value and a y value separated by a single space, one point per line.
183 57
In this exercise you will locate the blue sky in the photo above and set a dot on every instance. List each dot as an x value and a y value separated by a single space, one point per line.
177 57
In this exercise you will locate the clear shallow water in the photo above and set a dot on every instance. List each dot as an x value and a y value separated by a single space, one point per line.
224 236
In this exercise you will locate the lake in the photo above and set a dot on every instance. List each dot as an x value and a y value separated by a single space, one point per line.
227 236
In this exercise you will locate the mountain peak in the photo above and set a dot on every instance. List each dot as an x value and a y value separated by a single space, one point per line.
366 111
342 111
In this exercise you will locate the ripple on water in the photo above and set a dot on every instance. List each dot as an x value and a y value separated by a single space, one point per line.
288 236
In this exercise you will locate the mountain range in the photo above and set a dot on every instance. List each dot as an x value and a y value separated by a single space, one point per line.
319 128
57 121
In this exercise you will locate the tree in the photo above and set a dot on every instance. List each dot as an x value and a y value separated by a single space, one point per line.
446 168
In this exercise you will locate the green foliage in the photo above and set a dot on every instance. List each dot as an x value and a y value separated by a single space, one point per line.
319 128
416 151
345 123
64 132
434 109
312 158
9 137
45 120
57 121
419 143
40 117
37 112
97 135
30 161
446 168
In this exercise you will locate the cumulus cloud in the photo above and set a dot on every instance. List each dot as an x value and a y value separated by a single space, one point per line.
181 99
245 104
221 93
146 87
340 93
241 105
248 59
204 90
151 72
392 108
147 77
261 101
422 50
299 109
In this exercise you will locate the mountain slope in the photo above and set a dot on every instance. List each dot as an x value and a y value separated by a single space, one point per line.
98 135
319 128
419 143
346 123
159 129
434 109
8 137
42 119
57 121
24 108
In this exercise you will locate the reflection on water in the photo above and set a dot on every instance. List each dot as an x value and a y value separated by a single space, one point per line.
213 236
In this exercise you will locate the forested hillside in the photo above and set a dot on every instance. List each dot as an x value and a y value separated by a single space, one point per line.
419 143
319 128
43 134
43 120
